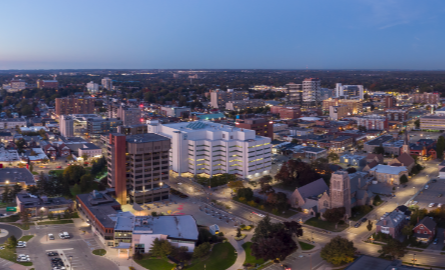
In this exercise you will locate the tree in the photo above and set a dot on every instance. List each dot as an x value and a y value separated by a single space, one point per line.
50 215
338 251
73 173
41 214
369 226
298 173
377 200
408 230
11 243
24 215
403 179
238 232
417 123
246 193
266 189
98 165
379 150
334 215
417 215
394 248
235 184
86 182
351 170
278 200
161 248
6 196
32 190
332 156
202 250
440 147
69 158
15 190
85 157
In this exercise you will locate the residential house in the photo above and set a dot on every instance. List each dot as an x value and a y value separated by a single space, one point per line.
374 157
49 149
405 160
365 262
425 230
370 165
391 223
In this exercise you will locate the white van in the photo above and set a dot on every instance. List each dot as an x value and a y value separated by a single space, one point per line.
66 235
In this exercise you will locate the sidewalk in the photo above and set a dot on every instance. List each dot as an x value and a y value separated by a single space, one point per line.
239 249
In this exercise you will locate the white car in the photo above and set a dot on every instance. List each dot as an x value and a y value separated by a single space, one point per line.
23 258
21 244
61 235
431 205
426 186
439 205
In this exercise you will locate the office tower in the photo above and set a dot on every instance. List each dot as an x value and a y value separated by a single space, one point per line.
107 83
66 126
138 165
294 93
17 85
389 101
74 105
92 87
97 126
204 147
311 90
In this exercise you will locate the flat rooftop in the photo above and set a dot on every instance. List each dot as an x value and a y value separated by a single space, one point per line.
102 206
14 175
147 137
380 140
43 201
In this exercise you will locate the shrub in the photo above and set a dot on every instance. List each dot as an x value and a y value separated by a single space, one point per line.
252 203
202 250
138 256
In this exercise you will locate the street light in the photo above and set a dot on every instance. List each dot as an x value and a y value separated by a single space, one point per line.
414 259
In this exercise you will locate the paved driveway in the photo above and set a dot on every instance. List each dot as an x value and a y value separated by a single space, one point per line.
13 230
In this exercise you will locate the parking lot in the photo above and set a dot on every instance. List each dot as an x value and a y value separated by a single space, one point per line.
434 194
76 250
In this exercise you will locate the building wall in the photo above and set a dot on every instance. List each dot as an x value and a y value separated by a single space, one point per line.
117 175
73 105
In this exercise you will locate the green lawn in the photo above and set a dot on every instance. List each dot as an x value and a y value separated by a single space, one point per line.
9 254
58 173
249 258
26 237
23 226
222 257
326 225
52 222
75 215
100 252
75 190
306 246
153 263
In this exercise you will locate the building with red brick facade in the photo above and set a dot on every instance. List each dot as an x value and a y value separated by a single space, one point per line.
426 98
262 126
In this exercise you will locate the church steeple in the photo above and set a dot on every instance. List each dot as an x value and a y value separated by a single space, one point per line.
405 147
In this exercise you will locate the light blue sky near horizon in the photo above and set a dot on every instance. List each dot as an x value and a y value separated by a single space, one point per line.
199 34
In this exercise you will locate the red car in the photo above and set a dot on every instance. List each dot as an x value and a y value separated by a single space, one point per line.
286 267
59 167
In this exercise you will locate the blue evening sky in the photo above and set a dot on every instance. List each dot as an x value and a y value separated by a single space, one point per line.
281 34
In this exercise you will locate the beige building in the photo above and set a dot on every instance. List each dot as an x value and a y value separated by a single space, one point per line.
219 98
388 174
354 106
435 122
338 112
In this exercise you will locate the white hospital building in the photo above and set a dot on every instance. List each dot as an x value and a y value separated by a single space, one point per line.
204 147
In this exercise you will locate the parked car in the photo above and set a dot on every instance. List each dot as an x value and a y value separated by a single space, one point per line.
435 241
62 236
431 205
258 214
439 205
357 224
51 236
286 267
52 253
364 219
434 181
21 244
426 186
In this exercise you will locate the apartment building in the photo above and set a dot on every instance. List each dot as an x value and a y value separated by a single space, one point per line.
93 87
107 83
426 98
373 122
138 165
17 85
74 105
311 89
132 130
47 84
349 90
397 115
204 147
338 112
354 106
389 101
244 104
66 126
9 123
261 126
97 126
434 122
128 115
294 93
173 111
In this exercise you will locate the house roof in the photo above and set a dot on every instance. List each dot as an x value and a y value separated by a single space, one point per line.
405 159
392 219
428 222
313 189
389 169
372 164
373 156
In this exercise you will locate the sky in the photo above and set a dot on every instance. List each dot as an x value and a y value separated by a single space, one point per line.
225 34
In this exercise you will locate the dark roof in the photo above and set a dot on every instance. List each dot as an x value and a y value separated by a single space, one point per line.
29 201
5 134
89 146
405 159
428 222
380 140
101 206
313 189
15 175
144 138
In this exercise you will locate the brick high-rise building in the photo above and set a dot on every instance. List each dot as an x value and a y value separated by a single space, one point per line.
389 101
262 127
47 84
373 122
426 98
138 166
74 105
396 115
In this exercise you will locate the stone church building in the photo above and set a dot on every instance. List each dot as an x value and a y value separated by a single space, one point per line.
346 190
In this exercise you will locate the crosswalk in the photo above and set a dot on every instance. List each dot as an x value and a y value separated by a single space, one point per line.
92 244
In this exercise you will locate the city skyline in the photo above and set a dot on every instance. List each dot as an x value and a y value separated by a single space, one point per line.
223 35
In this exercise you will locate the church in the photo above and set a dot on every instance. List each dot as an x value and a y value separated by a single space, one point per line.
346 190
